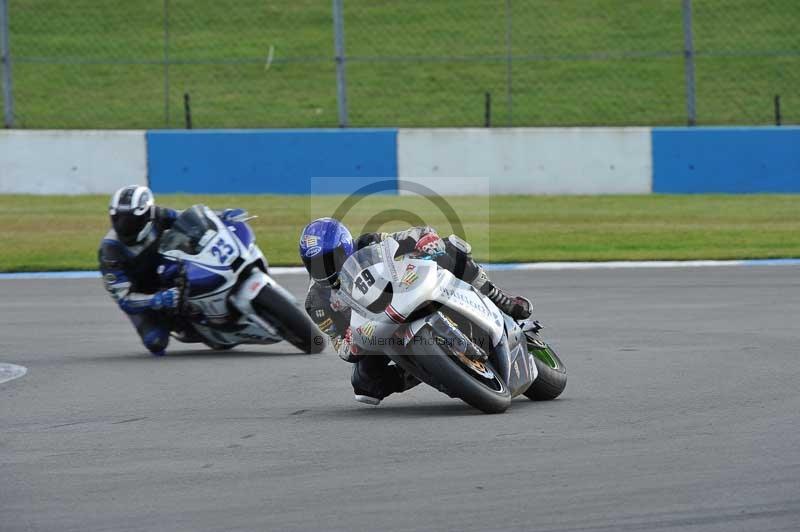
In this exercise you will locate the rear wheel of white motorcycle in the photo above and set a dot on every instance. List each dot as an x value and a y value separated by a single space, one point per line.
488 394
279 309
552 377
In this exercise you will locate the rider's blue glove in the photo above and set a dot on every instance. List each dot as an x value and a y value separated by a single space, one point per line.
230 215
166 299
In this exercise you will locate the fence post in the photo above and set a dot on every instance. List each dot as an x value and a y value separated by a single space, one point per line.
338 41
688 62
509 60
166 63
5 66
187 110
487 109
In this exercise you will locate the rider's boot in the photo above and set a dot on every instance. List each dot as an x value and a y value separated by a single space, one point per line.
517 307
374 379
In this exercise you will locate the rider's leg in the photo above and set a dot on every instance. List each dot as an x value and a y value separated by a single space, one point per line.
375 379
459 261
154 335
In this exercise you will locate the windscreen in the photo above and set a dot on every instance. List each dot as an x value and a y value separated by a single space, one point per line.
188 234
363 258
360 261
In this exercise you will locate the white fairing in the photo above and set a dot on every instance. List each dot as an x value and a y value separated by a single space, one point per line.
464 298
220 248
383 291
414 282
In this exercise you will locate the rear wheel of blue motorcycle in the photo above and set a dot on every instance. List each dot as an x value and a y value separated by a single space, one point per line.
490 396
552 377
293 323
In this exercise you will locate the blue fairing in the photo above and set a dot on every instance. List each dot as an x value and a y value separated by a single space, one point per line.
243 233
202 281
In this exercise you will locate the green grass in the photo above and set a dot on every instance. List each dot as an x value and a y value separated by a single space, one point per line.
91 64
63 233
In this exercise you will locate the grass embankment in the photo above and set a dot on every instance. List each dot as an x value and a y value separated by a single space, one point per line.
62 233
90 64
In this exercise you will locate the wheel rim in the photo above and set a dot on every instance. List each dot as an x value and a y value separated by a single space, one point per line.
480 371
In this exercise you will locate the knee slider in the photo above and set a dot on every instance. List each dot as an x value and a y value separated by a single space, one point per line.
156 340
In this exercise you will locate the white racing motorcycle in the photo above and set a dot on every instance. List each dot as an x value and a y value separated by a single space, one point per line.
228 298
444 332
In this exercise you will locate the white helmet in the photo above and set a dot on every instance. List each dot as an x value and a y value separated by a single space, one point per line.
132 210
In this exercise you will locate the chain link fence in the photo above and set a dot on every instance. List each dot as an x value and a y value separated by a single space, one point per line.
437 63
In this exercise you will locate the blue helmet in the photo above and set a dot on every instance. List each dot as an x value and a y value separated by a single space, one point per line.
325 244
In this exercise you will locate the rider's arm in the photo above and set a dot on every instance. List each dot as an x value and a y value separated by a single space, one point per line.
407 239
165 218
422 239
369 238
119 285
332 319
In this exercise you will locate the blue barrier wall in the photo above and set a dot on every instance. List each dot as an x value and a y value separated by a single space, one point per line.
726 160
270 161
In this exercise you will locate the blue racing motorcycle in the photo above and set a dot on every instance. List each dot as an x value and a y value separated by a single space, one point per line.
228 297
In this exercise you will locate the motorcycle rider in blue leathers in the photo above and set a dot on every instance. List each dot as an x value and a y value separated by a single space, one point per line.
324 246
129 264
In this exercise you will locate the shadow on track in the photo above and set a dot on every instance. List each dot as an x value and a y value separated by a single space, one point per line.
450 409
230 353
196 354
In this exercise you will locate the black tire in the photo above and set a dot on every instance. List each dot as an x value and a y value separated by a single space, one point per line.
552 377
276 306
457 380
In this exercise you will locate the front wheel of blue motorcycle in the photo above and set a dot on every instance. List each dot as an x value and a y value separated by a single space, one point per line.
294 324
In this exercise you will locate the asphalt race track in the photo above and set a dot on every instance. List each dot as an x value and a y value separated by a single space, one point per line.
682 412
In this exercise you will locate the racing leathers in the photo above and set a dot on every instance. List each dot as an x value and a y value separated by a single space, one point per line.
373 376
130 276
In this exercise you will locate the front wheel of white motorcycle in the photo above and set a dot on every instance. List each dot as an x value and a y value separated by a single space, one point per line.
475 383
552 377
293 323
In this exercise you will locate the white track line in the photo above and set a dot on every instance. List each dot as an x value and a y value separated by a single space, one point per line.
9 372
492 267
639 264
